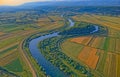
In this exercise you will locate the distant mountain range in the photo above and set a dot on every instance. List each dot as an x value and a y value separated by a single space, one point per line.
65 3
76 3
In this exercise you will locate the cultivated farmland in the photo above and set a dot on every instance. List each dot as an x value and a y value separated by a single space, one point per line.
99 53
13 33
89 57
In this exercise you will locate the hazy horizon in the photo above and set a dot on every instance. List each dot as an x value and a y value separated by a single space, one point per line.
20 2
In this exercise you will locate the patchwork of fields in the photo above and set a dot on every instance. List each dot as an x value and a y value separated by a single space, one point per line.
11 36
99 53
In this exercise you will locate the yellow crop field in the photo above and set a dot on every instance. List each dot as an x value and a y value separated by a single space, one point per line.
112 45
109 18
113 66
106 69
112 22
110 66
118 65
114 32
97 42
89 57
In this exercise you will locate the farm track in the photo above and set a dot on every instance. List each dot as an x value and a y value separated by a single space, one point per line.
91 41
26 59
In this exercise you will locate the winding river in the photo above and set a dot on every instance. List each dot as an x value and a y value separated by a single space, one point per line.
35 52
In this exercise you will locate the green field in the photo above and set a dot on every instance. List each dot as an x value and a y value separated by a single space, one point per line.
73 49
14 66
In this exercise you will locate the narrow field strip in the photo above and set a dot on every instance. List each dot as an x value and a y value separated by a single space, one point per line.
14 35
102 43
8 58
101 62
112 45
7 47
97 42
118 66
5 43
107 65
91 41
118 45
5 54
8 50
112 72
